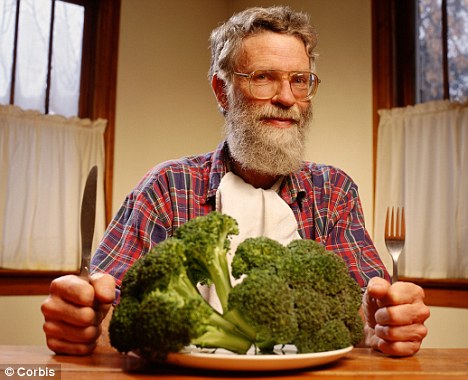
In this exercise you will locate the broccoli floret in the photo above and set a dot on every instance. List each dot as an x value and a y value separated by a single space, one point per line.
355 325
260 252
266 303
263 298
164 314
156 270
122 326
324 292
324 268
207 244
332 335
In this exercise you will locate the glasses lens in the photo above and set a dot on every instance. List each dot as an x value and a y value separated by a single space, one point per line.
264 84
301 84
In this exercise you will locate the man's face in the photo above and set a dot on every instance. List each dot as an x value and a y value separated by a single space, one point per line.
268 136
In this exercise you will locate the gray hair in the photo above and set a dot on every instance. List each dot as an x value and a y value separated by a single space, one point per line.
226 40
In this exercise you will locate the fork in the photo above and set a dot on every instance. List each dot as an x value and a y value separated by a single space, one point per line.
395 237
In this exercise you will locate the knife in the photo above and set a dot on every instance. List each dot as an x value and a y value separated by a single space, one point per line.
88 216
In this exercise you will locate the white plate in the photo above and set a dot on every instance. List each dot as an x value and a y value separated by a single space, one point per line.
227 361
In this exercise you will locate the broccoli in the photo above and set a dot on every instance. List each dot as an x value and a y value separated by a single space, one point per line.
161 310
298 294
260 253
317 283
207 244
327 299
267 304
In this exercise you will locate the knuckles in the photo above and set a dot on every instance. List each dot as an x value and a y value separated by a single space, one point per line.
56 332
63 347
74 289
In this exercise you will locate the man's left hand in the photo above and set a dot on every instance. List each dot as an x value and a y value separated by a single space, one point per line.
395 316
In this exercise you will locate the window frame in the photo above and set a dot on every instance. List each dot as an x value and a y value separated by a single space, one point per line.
97 100
394 64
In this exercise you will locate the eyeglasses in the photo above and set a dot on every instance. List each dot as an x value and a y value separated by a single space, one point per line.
264 84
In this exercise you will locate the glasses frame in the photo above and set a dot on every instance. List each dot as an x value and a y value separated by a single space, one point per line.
249 76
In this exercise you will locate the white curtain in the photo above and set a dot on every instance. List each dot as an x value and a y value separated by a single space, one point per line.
422 164
44 162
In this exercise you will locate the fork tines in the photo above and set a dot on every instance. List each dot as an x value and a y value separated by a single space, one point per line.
395 229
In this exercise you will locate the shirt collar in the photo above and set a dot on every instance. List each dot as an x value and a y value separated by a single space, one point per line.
293 186
218 169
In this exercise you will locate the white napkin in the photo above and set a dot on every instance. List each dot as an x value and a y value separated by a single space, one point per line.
258 212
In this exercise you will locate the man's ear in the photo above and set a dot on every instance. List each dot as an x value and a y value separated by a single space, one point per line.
219 89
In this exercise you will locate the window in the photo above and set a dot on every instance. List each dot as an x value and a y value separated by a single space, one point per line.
83 85
85 76
42 53
97 88
442 50
419 54
420 51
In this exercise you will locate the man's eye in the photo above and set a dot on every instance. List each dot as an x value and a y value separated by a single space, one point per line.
300 79
262 77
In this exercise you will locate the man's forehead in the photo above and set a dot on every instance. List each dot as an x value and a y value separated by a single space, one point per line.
261 51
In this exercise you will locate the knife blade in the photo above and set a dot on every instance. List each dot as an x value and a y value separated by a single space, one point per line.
88 216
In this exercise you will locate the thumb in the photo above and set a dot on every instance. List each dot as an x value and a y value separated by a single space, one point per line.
104 290
376 291
104 287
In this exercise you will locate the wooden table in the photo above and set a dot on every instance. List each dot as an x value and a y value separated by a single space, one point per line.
360 364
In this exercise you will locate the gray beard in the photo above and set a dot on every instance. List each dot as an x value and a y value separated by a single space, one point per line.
262 148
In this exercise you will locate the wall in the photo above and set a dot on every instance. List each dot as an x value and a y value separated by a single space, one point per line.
165 106
165 109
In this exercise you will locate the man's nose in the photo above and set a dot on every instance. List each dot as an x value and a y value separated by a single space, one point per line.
284 95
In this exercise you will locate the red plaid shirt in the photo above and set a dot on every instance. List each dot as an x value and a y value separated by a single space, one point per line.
324 200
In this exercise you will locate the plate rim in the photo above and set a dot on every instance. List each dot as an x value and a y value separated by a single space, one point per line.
251 362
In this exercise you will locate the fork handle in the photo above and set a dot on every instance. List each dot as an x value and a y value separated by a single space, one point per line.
395 271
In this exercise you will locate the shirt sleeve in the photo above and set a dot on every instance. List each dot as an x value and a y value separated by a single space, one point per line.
345 231
142 221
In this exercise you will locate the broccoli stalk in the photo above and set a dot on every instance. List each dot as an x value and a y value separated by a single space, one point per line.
168 321
207 244
220 333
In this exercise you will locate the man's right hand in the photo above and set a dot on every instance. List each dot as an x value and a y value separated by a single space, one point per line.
74 311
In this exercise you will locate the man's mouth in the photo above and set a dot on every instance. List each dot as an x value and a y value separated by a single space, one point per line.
280 122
